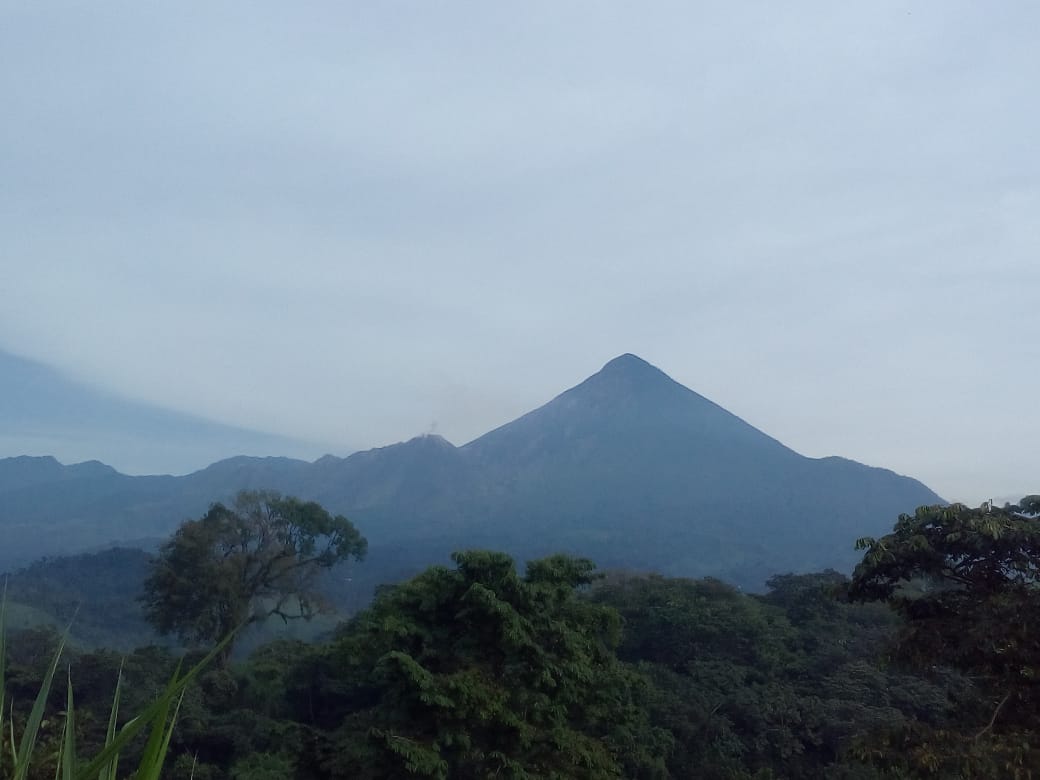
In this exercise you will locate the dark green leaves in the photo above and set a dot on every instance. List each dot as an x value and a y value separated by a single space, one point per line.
244 563
478 672
967 583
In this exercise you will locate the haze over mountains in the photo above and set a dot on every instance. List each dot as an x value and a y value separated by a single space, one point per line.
44 412
628 468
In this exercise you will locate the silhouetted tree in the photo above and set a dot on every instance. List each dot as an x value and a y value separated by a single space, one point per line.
260 557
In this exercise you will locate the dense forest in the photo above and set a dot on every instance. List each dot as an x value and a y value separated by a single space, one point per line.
923 664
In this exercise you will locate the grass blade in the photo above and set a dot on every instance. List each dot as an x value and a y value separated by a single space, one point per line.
161 758
158 707
155 754
3 672
14 754
109 772
152 747
67 761
32 725
58 764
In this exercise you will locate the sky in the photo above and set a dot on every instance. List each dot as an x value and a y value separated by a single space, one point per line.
351 223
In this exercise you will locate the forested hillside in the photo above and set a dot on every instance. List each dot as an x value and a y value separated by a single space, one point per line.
922 665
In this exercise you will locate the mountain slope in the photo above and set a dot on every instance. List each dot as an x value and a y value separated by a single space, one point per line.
629 468
634 469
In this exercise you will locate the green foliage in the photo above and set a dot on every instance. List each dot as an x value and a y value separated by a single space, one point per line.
263 766
234 565
25 754
90 592
670 621
965 582
478 672
779 685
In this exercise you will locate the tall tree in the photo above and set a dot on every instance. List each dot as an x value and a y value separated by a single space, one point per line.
258 558
478 672
966 581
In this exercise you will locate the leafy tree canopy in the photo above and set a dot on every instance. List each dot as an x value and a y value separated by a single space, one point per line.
966 582
963 578
478 672
258 558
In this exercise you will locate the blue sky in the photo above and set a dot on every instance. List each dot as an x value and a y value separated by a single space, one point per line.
353 223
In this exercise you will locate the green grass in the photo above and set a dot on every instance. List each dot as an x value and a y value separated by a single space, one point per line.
19 752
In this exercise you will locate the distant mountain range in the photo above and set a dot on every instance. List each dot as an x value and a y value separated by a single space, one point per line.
628 468
42 411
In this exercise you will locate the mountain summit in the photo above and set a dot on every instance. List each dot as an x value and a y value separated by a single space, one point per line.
629 411
632 368
634 469
628 468
630 377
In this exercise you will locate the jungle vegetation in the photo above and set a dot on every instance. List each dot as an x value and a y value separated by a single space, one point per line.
923 664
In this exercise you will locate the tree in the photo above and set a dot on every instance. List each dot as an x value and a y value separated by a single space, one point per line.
967 584
710 652
261 557
478 672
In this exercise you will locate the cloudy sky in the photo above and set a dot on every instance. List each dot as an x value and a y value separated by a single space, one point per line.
355 222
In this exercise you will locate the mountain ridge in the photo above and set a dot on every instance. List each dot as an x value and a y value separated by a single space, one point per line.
628 467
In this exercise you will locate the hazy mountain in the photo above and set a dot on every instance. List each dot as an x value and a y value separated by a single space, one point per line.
651 474
628 468
44 412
